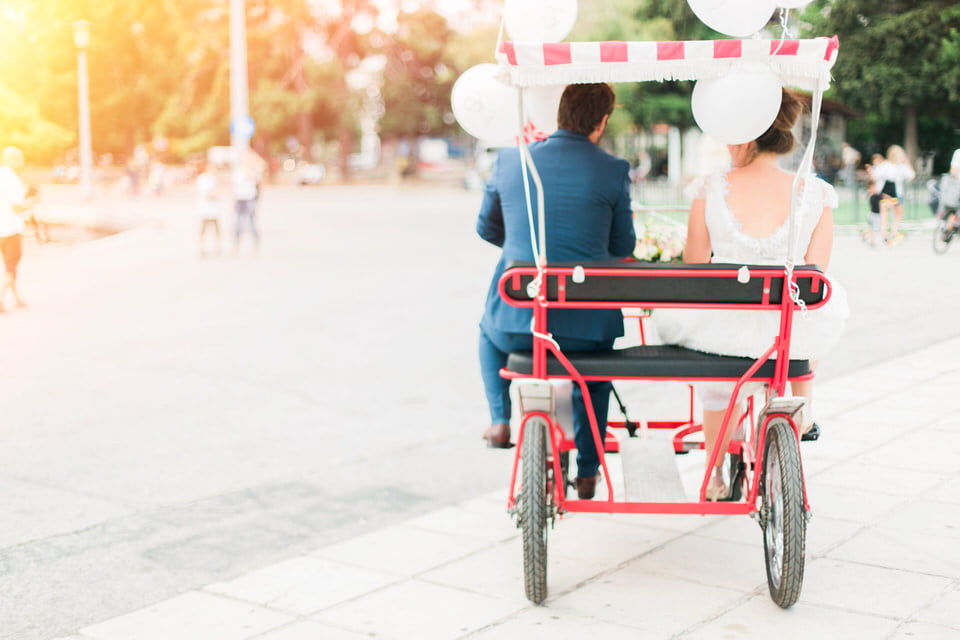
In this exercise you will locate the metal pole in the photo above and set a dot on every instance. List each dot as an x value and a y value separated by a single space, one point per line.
86 155
239 97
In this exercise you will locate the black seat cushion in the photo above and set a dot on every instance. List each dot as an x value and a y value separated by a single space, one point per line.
653 361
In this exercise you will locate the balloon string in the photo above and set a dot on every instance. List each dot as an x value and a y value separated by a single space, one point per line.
785 24
496 50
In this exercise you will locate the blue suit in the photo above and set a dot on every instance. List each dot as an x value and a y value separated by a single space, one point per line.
588 218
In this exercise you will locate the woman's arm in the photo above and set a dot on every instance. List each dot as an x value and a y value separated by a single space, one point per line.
821 242
698 237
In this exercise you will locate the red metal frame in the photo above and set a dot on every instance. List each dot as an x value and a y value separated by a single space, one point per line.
750 447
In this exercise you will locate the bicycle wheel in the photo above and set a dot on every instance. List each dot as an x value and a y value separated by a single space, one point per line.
941 238
533 510
782 515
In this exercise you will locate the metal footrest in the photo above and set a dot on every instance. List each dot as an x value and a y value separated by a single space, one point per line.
650 472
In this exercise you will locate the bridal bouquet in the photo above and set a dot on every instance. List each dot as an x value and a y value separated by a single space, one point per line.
658 242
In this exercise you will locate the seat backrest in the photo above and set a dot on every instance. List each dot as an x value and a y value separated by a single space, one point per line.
651 285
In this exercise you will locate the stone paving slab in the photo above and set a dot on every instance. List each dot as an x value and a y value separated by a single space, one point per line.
881 560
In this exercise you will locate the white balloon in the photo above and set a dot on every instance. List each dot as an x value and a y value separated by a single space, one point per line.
541 104
738 107
486 108
539 20
738 18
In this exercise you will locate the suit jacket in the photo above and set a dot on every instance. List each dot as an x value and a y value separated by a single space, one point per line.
588 218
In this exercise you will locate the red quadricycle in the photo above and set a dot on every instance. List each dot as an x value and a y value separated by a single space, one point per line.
764 460
767 475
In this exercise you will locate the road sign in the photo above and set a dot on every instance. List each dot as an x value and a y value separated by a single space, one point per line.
243 128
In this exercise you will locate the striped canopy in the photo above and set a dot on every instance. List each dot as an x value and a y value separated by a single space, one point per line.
801 63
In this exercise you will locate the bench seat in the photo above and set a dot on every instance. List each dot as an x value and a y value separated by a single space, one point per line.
654 361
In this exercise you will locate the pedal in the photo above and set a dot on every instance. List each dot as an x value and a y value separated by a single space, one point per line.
812 435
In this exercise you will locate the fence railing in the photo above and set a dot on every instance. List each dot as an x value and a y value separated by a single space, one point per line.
664 198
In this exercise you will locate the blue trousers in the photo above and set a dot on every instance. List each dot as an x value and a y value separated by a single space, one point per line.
246 211
495 346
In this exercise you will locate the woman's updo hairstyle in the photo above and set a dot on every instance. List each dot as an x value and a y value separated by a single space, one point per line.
779 138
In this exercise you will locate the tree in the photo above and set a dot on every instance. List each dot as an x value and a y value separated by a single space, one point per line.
899 60
21 125
418 77
648 103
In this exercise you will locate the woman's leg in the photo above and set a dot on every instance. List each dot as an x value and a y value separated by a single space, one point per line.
884 214
715 401
897 217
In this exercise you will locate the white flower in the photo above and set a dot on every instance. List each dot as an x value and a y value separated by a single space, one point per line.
660 243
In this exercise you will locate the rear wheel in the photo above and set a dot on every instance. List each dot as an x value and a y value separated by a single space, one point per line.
533 509
941 237
782 515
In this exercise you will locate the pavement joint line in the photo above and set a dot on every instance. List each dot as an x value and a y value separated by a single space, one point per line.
906 385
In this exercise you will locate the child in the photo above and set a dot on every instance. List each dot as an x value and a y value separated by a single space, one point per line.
870 235
208 206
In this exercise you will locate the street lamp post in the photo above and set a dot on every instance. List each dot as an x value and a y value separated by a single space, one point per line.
81 38
240 123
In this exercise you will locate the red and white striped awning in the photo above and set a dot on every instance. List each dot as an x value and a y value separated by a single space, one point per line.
801 63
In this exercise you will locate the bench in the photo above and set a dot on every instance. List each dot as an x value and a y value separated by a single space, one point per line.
608 285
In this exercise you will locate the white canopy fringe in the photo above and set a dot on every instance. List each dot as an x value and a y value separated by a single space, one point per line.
802 63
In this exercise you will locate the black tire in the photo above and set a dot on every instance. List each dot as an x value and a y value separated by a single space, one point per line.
783 518
533 510
565 470
736 474
941 239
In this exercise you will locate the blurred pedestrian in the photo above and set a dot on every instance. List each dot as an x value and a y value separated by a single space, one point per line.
891 175
12 195
209 205
850 158
247 173
873 231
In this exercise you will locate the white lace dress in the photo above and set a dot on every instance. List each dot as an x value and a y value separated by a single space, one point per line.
749 333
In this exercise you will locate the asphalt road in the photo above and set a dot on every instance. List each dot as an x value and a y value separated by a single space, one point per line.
171 421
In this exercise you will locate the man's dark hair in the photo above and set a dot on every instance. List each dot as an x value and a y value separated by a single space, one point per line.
583 106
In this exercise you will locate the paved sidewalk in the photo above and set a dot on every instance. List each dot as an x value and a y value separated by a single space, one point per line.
882 559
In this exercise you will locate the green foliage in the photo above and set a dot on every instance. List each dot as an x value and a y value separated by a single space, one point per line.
649 103
418 77
891 52
21 125
897 58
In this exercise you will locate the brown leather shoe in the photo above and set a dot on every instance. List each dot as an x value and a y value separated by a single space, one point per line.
498 436
586 487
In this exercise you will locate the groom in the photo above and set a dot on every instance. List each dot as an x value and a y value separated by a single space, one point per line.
588 218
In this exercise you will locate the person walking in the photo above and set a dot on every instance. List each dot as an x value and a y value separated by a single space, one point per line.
247 174
12 195
208 207
891 174
586 195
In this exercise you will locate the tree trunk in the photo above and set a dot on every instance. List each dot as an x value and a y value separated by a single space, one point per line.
910 142
304 117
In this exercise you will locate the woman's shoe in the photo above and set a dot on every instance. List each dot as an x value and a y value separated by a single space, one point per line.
811 433
717 488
